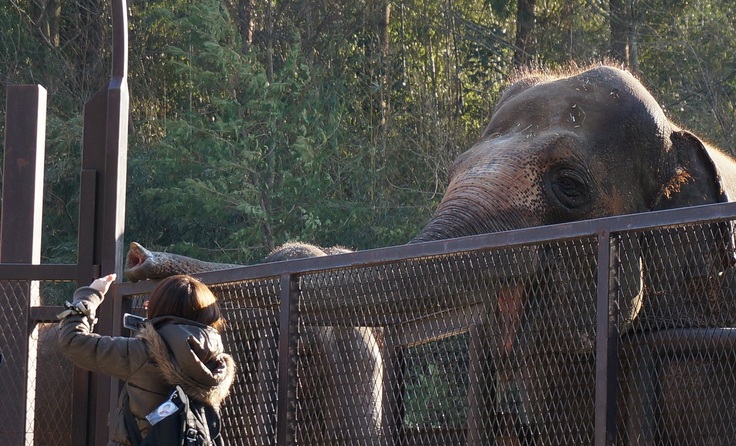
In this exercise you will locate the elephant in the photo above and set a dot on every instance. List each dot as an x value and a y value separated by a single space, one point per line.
567 147
346 360
584 145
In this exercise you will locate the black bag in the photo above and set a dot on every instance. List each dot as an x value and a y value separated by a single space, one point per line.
190 423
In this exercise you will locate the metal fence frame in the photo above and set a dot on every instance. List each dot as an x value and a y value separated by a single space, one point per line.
608 345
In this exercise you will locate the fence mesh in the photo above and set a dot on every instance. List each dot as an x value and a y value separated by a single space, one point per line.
497 346
676 377
33 370
252 336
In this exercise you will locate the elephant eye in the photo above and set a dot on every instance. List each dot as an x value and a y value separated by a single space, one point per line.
569 188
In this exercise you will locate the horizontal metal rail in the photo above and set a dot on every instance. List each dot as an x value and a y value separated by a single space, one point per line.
24 271
508 239
419 327
520 237
683 341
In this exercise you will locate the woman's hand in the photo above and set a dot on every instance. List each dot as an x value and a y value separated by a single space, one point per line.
103 283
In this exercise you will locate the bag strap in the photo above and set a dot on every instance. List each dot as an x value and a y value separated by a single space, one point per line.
214 423
131 426
190 420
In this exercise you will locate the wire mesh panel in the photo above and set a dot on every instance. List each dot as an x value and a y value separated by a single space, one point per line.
251 309
33 370
435 391
251 337
15 345
53 388
476 347
677 382
499 345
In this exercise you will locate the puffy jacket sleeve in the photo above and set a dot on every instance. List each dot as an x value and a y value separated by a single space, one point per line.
115 356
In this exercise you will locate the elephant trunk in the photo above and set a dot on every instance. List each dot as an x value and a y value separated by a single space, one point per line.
142 263
473 211
488 194
472 207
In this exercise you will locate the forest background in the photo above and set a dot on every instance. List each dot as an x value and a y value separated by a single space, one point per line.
256 122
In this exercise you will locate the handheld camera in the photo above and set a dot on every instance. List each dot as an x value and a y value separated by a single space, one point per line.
133 321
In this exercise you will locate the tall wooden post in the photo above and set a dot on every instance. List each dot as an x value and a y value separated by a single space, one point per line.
20 242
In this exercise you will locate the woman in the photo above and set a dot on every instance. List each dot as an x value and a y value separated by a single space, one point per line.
179 344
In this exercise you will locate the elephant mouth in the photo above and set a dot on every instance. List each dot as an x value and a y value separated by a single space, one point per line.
136 256
134 261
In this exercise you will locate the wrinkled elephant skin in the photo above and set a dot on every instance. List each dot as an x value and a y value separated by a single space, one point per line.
565 149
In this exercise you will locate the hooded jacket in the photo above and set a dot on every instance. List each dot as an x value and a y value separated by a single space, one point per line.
167 351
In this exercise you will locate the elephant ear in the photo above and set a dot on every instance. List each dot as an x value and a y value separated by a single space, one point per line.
701 175
695 178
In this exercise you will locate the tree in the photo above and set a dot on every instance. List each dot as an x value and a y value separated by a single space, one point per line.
524 28
328 121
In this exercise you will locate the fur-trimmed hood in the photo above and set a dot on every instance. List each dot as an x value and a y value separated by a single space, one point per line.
191 355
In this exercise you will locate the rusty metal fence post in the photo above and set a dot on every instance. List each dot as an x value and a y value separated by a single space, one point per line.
104 162
100 245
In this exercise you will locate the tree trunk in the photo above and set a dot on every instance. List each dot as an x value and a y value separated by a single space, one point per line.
633 38
269 40
46 17
523 51
308 41
244 12
54 18
376 22
619 42
92 39
623 46
383 16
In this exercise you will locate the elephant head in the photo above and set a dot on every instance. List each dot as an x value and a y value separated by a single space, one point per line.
571 148
560 149
587 145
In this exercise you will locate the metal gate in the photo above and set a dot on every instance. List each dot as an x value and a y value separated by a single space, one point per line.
45 401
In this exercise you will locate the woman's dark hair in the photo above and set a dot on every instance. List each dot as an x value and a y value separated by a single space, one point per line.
186 297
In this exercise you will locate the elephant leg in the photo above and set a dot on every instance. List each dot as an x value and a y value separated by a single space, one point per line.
312 384
354 385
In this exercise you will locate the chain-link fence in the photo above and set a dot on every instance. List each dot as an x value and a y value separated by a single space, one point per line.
602 332
607 332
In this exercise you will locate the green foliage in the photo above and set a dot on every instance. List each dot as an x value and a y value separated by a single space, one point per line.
687 51
326 121
437 392
61 202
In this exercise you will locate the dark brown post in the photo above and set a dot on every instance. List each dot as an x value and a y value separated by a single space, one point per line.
606 363
104 162
20 242
288 338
